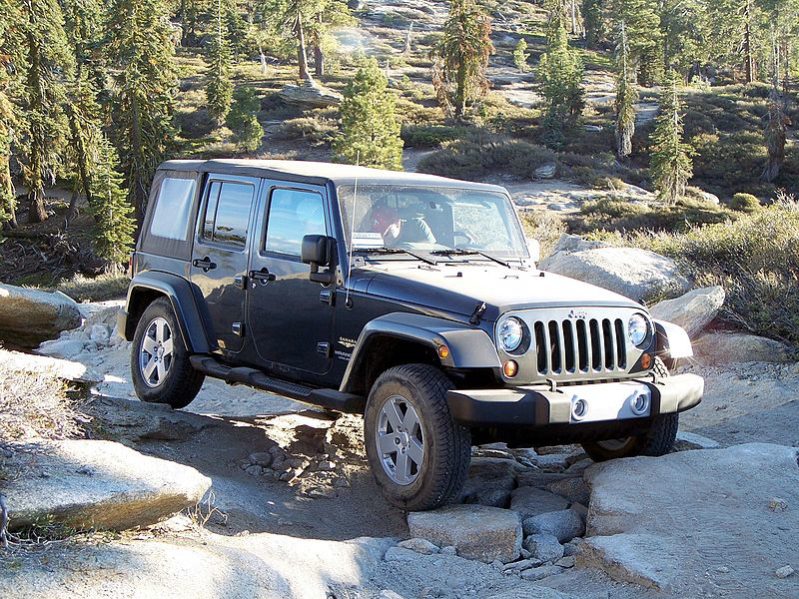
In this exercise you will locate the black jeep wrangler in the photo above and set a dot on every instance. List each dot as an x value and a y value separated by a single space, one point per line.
411 299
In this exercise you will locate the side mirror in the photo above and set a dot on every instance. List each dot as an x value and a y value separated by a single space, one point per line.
318 250
534 247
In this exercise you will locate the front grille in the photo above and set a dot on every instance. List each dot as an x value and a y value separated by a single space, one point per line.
583 345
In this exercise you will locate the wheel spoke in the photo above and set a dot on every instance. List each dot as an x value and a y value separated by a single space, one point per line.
148 345
160 325
394 415
149 368
387 443
168 347
416 452
403 466
161 371
410 420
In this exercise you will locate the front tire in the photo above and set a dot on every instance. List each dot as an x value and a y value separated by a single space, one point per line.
159 362
418 454
657 441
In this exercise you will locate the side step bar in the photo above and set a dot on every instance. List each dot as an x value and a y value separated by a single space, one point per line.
325 398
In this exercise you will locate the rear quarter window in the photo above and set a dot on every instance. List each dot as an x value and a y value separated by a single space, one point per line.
171 219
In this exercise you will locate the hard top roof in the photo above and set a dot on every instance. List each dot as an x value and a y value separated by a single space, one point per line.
321 173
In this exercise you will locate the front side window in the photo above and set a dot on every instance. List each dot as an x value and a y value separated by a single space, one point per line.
293 214
435 220
173 208
227 213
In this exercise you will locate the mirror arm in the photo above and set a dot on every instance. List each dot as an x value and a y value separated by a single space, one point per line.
320 277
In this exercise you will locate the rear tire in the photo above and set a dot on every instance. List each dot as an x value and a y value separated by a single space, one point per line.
657 441
159 361
418 454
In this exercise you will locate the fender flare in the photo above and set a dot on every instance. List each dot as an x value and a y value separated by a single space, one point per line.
181 296
469 347
672 340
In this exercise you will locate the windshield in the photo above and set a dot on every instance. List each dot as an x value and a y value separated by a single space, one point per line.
431 220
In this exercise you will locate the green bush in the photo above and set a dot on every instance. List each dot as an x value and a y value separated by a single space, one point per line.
243 121
431 136
318 131
755 258
544 226
745 202
474 159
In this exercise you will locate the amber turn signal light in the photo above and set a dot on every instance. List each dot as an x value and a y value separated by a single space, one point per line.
443 351
646 361
510 368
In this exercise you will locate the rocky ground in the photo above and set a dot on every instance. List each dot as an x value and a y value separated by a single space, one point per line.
293 511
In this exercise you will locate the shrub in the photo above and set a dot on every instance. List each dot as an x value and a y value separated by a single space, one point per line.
242 119
431 136
318 131
544 226
744 202
475 158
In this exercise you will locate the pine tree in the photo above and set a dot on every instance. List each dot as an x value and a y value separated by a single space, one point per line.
370 130
219 88
520 55
140 52
9 54
242 119
670 163
44 130
464 53
115 225
595 23
642 22
626 96
560 74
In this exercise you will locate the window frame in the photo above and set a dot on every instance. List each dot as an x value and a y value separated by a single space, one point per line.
200 238
262 251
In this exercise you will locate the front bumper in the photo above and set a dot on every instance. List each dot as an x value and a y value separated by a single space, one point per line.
540 406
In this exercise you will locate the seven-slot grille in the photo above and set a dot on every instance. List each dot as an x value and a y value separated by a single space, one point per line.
579 345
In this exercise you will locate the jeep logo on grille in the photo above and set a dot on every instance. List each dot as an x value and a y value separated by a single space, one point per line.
576 314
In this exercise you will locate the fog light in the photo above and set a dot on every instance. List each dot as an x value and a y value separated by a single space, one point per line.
639 403
510 368
579 409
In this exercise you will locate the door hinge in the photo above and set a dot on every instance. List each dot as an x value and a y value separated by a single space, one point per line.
326 296
238 329
323 347
240 281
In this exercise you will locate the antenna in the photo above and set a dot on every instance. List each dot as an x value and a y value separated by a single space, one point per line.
347 301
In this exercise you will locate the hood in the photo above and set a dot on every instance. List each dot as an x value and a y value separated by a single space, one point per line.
461 287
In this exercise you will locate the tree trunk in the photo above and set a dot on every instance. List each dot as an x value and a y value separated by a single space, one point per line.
134 176
262 57
750 61
408 35
318 54
460 91
302 56
36 212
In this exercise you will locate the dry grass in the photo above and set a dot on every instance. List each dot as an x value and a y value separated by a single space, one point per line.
33 406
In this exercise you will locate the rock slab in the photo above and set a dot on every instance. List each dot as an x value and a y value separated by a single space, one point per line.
98 484
726 348
531 501
665 522
692 311
638 274
30 316
477 532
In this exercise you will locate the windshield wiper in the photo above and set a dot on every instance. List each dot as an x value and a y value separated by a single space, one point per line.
385 250
470 252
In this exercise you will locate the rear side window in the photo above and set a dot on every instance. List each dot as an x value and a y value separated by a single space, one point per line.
293 214
227 213
173 209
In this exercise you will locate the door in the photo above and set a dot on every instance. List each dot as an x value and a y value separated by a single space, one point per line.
220 256
289 316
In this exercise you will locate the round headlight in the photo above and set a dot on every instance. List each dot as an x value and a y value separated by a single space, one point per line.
511 334
638 329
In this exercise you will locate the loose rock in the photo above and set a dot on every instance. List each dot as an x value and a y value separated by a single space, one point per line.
419 546
725 348
530 501
541 572
46 315
784 572
544 547
490 481
573 489
563 525
477 532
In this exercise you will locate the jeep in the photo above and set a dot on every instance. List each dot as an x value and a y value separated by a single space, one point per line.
411 299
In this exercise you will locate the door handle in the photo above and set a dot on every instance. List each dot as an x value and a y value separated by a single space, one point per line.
205 264
263 276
